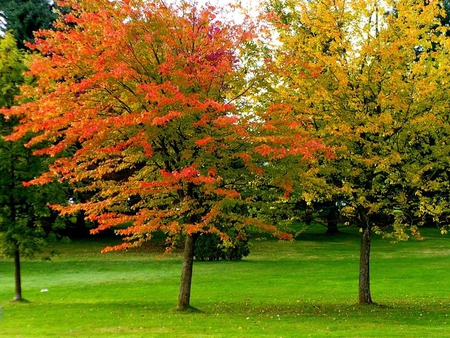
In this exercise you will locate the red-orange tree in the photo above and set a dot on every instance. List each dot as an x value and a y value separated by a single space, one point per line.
136 98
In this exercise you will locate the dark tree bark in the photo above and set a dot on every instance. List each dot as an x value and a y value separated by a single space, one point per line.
17 275
364 267
184 296
17 271
332 220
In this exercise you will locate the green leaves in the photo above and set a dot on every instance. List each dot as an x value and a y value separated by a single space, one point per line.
25 17
11 68
26 220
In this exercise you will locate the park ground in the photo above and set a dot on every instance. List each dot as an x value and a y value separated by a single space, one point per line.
304 288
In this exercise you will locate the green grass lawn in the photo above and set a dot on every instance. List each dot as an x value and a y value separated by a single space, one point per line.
306 288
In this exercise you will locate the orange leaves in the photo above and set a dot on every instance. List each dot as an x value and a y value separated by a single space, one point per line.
162 120
226 121
152 91
147 148
265 150
287 133
185 174
274 149
41 180
193 228
284 236
228 193
204 141
173 181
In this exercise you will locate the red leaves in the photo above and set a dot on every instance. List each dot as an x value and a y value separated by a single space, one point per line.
130 97
185 174
264 150
171 181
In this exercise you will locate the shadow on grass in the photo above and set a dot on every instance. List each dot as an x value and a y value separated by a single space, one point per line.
189 309
317 233
20 301
394 313
341 236
405 312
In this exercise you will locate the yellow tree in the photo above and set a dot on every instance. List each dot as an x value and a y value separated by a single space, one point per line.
369 78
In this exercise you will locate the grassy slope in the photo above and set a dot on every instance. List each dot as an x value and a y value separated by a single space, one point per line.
299 289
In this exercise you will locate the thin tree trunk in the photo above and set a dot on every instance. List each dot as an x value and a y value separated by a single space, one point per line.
364 267
17 272
18 281
184 296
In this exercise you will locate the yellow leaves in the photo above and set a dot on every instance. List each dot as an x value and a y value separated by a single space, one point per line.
416 233
384 164
309 197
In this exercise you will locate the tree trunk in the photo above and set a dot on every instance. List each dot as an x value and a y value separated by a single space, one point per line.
184 296
332 221
364 267
18 281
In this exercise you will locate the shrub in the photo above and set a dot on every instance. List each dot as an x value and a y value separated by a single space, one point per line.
209 247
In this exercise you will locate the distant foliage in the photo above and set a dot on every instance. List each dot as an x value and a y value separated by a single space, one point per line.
210 247
24 17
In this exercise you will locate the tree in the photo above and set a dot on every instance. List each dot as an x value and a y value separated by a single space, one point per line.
445 19
24 17
142 93
364 78
26 223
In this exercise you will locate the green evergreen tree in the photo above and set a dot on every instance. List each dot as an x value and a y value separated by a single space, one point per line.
24 17
26 223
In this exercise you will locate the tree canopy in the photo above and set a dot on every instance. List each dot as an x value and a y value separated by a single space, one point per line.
26 222
368 78
143 95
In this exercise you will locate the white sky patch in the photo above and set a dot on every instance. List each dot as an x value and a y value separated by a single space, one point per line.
250 7
245 3
2 23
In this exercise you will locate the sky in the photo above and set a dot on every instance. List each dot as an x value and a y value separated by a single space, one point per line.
219 3
251 5
223 3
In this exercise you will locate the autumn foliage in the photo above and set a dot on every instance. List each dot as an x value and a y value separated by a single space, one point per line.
171 118
369 79
135 99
